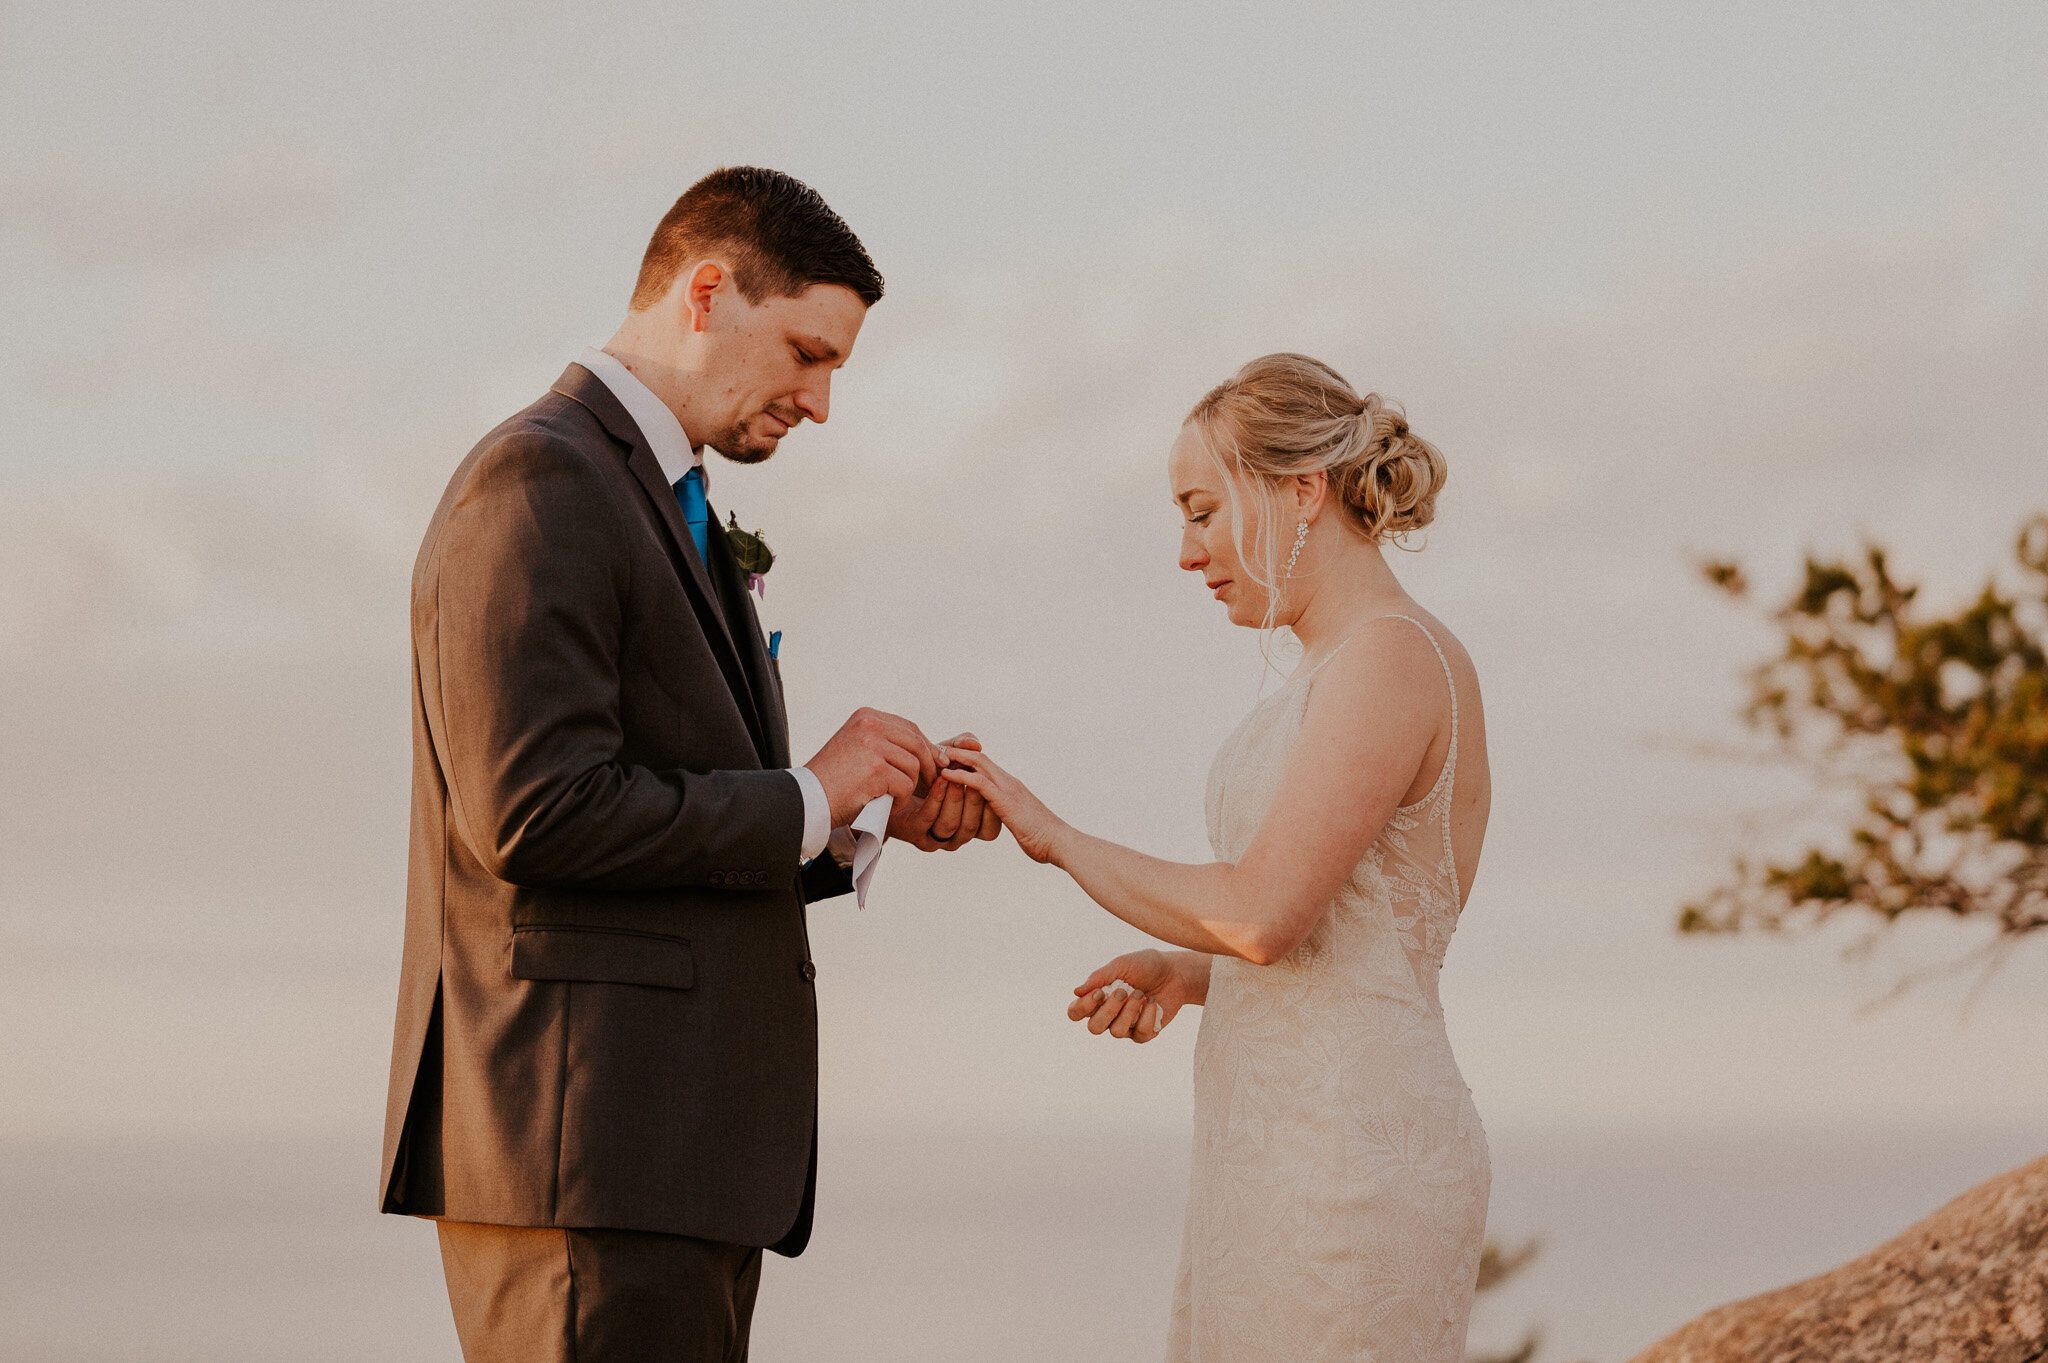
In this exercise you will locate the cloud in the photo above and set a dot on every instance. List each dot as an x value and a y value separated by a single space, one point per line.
89 219
161 569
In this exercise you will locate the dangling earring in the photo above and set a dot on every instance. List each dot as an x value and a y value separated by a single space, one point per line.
1300 538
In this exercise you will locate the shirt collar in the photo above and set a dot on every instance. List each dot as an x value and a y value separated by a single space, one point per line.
656 422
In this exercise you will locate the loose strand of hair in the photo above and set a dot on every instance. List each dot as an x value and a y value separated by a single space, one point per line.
1265 576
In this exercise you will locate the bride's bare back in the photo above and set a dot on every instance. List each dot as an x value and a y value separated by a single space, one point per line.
1474 800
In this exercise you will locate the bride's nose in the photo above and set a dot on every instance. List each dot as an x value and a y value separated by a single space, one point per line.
1193 556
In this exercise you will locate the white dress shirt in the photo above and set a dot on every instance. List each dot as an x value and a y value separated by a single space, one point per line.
672 450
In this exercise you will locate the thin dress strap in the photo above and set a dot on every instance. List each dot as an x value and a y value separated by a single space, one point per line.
1304 676
1448 776
1451 760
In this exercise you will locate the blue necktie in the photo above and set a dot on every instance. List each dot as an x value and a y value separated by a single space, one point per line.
690 494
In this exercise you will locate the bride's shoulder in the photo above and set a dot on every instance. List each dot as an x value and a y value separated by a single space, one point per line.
1396 657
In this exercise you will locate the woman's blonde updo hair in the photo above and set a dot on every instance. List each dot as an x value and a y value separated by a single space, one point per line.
1285 415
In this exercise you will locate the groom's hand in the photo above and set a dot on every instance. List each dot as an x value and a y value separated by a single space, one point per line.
950 816
872 755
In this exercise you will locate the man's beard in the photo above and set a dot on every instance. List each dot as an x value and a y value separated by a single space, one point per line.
742 447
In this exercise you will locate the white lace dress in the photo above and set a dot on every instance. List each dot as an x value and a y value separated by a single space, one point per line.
1338 1201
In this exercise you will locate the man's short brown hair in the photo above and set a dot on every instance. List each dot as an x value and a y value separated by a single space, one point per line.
774 231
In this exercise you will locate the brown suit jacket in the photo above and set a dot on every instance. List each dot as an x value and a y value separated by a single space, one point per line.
605 1013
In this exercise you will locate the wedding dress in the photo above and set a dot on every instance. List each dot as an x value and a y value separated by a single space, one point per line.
1338 1199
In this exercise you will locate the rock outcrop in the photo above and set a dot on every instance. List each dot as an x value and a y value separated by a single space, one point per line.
1967 1285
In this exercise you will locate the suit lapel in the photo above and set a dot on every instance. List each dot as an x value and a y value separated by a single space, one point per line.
753 647
585 388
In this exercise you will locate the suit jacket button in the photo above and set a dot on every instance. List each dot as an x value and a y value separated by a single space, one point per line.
810 971
718 877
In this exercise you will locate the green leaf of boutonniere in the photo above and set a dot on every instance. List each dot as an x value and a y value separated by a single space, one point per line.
753 553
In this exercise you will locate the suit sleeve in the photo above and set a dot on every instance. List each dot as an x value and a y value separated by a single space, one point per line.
524 631
823 878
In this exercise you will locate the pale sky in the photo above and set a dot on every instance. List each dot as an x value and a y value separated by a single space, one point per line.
1659 280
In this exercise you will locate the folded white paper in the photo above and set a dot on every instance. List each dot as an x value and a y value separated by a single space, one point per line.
870 830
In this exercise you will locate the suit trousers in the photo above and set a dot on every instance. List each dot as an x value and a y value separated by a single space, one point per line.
539 1294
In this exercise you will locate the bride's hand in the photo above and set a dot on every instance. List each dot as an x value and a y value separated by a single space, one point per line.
1142 1016
1036 828
950 815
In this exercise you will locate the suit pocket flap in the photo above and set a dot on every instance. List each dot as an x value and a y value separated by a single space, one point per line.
602 955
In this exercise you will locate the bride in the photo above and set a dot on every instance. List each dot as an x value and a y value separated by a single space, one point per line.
1338 1199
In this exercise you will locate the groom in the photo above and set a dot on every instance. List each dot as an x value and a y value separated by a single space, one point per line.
604 1078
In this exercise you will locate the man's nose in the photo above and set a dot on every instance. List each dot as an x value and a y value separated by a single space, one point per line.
816 402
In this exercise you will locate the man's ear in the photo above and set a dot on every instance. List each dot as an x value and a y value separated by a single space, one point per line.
698 291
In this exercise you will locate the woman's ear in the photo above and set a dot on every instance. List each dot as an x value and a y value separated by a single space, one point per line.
1310 491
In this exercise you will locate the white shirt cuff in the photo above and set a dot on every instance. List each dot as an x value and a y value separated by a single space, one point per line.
817 813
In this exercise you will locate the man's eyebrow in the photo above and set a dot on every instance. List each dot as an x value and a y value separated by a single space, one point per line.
824 348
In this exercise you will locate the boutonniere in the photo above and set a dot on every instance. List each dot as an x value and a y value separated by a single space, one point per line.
754 555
